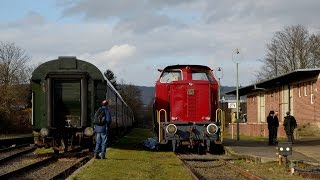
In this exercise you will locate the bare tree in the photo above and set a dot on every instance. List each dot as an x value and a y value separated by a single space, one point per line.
132 96
290 49
14 79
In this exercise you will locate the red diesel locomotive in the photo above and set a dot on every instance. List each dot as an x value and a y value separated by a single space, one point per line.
185 106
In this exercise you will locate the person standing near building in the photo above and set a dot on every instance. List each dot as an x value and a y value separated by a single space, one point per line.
275 126
102 121
289 124
270 127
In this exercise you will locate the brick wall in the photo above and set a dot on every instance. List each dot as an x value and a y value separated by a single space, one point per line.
307 113
304 110
252 111
253 129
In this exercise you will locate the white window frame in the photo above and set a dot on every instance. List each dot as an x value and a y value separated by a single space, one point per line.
311 92
305 89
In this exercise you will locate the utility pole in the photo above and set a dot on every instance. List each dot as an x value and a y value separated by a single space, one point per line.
237 93
219 74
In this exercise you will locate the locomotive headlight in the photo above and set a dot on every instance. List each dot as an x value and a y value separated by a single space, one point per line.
174 118
206 118
212 128
88 131
44 132
171 129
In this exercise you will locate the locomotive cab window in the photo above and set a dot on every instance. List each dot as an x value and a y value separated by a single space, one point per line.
169 76
200 76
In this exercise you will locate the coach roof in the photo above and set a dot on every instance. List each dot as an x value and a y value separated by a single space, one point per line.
70 63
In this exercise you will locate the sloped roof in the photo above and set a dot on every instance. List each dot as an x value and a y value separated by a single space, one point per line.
294 76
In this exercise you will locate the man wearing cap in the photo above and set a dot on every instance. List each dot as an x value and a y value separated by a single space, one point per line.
289 124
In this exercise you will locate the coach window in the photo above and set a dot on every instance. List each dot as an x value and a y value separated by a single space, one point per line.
169 76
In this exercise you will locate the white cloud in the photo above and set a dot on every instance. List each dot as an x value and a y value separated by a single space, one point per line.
117 56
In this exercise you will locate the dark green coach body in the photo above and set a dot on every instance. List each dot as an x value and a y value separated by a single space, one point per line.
78 84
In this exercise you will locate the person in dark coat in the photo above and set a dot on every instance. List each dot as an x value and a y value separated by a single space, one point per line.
289 124
101 132
270 127
275 126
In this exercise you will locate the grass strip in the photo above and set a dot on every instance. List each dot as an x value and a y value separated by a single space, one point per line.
129 159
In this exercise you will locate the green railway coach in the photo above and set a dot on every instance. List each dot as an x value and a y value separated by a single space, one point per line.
65 94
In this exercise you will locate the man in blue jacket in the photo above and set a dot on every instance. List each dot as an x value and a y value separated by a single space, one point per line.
101 129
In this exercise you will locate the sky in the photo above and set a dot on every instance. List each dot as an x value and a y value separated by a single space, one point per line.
134 38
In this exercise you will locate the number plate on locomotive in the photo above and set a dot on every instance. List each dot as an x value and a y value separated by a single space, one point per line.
190 91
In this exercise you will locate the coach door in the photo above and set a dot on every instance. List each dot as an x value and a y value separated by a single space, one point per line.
67 101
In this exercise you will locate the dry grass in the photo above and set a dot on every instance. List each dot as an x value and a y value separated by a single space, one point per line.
270 170
43 151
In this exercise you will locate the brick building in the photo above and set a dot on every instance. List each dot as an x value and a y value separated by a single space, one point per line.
297 92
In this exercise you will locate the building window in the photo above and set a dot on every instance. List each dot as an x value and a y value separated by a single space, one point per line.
305 89
311 92
299 90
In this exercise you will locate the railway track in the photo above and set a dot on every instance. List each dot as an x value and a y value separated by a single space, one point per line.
10 148
214 167
10 153
27 165
307 171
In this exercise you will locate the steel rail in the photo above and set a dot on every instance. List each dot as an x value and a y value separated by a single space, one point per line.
27 168
10 157
241 171
13 147
234 168
67 172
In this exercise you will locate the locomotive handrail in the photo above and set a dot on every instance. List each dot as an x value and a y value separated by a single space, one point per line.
222 121
165 115
159 120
